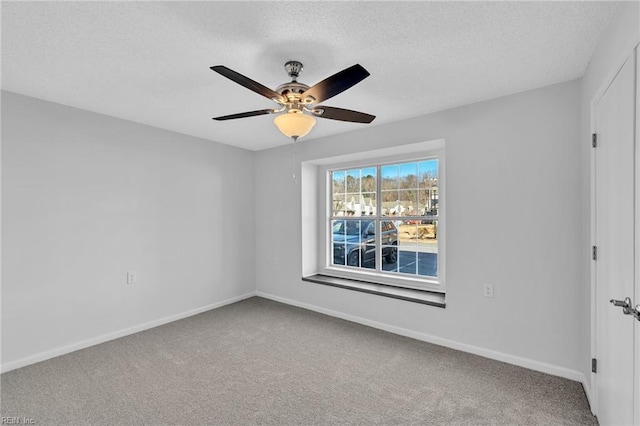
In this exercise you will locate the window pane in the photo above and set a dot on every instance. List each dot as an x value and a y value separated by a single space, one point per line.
360 196
369 204
428 171
353 243
407 248
338 239
390 202
389 176
424 202
338 177
352 204
389 245
369 186
408 200
428 248
353 181
428 184
338 197
339 205
369 181
408 175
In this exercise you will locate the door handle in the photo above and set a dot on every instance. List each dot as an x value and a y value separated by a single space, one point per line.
624 304
627 309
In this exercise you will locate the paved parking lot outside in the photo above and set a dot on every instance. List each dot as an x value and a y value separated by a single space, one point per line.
412 262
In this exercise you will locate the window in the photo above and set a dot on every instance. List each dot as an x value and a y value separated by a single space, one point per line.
388 204
383 222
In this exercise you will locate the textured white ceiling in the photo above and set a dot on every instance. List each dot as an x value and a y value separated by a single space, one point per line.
149 61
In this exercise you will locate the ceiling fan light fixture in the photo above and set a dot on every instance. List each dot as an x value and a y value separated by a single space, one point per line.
294 124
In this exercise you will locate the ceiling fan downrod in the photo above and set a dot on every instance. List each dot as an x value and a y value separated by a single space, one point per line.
293 68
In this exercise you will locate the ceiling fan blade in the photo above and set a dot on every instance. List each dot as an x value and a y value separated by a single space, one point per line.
337 83
333 113
245 114
248 83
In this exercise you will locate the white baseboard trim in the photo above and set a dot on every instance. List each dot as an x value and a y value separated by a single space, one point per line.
487 353
586 385
43 356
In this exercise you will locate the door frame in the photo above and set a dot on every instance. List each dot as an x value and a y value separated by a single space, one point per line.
592 390
636 372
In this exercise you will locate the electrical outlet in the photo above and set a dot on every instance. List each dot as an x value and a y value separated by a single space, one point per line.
488 290
131 277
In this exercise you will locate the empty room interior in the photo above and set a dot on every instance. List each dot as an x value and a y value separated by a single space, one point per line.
314 213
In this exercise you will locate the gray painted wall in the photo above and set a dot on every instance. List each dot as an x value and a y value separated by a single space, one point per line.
86 198
523 153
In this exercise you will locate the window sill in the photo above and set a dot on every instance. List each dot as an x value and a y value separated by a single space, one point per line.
411 295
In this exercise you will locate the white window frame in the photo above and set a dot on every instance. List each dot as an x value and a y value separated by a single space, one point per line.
325 254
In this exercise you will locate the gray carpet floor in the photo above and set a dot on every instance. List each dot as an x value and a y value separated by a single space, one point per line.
262 362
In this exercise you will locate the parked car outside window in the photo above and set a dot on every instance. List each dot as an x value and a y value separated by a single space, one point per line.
354 242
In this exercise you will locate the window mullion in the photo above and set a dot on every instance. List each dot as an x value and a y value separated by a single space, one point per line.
378 223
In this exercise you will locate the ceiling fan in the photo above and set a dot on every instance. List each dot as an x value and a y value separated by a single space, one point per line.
298 102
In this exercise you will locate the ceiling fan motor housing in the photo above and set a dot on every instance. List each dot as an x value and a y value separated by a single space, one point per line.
293 91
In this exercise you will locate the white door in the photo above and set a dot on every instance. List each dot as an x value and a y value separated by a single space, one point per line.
614 238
